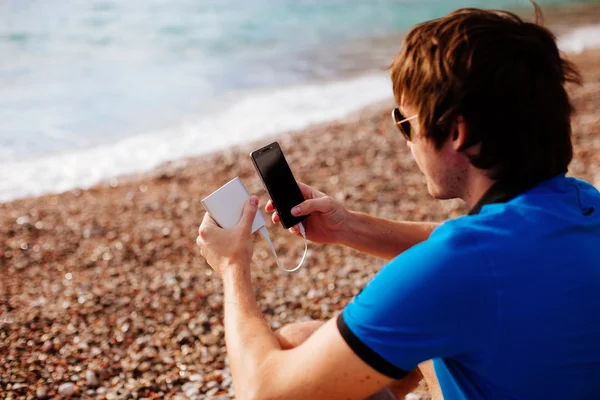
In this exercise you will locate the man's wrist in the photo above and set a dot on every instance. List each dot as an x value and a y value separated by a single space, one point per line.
347 235
231 269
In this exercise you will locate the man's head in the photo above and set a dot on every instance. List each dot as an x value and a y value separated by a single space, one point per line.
488 90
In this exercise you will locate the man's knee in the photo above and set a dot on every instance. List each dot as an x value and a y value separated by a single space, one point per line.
404 386
433 385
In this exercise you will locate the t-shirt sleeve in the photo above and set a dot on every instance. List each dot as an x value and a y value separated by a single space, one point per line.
436 299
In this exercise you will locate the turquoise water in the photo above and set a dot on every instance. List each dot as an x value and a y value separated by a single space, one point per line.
79 74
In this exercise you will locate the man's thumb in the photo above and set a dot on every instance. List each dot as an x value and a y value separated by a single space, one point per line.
320 204
249 213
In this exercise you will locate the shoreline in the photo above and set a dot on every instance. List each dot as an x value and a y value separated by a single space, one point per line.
104 290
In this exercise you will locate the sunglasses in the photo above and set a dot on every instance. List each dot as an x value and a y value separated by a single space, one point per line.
402 123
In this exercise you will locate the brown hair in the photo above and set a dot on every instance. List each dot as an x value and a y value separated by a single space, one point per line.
504 76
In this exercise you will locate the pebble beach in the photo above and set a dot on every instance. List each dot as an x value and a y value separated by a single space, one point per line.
104 294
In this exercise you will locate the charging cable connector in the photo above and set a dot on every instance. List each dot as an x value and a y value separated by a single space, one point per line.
265 234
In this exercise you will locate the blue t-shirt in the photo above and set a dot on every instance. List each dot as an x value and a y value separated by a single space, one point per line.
506 302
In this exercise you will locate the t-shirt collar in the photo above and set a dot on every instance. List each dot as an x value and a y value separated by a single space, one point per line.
499 192
505 190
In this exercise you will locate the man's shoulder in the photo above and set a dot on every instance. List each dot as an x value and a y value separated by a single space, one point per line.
584 185
561 210
456 234
452 249
549 205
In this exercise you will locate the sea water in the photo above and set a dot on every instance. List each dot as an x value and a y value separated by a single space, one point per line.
95 89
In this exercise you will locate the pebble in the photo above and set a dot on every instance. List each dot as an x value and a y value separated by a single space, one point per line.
191 391
47 347
212 384
41 392
210 340
66 389
18 386
144 367
91 378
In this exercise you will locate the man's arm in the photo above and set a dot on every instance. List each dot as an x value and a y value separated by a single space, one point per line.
343 359
323 367
381 237
293 335
330 222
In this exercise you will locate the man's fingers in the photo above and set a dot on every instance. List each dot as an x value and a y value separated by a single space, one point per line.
206 226
248 215
321 204
310 192
295 230
269 207
306 190
200 244
275 218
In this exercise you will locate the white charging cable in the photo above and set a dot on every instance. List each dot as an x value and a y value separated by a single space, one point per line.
265 234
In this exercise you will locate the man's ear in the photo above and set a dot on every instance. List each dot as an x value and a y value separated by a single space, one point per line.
459 133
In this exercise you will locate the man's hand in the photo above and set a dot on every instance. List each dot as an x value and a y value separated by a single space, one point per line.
327 220
225 247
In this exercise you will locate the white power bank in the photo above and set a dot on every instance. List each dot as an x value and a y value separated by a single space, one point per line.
226 205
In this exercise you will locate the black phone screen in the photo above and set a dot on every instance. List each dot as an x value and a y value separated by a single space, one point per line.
279 182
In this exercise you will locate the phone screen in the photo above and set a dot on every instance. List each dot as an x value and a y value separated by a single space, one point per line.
279 182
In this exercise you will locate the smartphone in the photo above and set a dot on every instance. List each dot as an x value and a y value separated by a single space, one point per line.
278 180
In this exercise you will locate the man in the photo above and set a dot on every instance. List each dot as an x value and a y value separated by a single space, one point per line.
505 300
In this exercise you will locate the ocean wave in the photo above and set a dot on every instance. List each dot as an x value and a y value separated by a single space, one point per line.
252 117
580 39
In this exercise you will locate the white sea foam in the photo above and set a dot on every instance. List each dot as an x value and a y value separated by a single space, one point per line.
252 117
580 39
